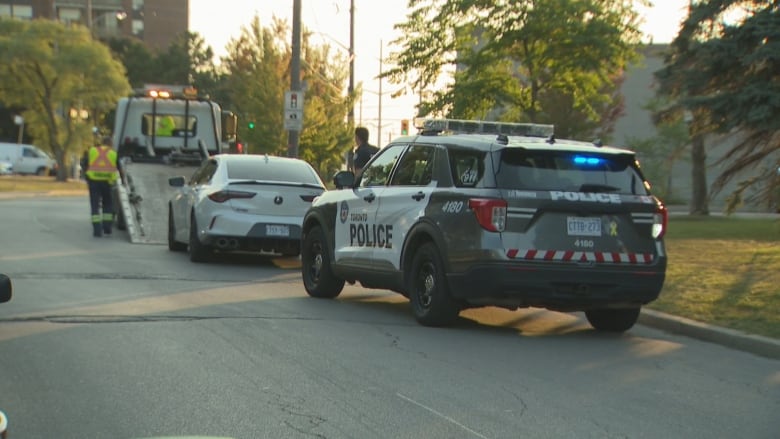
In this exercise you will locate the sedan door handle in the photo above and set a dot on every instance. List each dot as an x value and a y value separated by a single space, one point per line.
370 197
418 196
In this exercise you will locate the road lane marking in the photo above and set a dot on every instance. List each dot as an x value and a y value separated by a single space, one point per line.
441 415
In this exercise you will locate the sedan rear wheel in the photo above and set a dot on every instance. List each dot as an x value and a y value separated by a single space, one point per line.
612 319
198 251
318 278
428 291
173 244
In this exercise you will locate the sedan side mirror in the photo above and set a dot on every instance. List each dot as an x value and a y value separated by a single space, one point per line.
176 181
6 289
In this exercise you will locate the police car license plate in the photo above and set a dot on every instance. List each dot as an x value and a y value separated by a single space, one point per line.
580 226
277 230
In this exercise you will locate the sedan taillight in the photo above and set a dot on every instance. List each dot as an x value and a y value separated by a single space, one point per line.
222 196
490 212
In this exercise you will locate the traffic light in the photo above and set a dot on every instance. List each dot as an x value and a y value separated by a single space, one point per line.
251 125
405 127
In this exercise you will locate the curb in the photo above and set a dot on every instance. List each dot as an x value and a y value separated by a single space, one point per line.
61 193
755 344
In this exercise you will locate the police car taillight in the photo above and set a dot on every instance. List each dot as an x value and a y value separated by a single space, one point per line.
660 220
490 212
222 196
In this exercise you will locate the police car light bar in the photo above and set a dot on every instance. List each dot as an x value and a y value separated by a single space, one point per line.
485 127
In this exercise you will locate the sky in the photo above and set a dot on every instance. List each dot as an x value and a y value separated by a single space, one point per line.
219 21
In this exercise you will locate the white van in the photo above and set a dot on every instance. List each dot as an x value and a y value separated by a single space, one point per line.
27 159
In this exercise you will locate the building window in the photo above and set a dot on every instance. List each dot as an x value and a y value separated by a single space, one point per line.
70 15
138 5
138 27
24 12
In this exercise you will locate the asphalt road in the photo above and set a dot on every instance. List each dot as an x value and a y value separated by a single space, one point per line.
107 339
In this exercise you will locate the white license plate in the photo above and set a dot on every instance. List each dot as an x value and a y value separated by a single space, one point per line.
275 230
579 226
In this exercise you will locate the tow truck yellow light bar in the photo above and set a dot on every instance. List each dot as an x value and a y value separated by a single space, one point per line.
484 127
170 91
159 94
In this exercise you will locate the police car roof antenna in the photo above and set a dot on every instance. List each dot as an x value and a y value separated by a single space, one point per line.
551 139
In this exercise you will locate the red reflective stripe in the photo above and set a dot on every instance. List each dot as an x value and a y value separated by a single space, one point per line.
578 256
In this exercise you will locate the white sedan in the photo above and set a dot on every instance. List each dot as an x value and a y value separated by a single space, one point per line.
237 202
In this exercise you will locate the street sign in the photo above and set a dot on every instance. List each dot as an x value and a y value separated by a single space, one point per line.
293 120
293 110
293 100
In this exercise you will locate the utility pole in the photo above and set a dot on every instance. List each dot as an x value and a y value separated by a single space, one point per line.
89 15
295 72
351 88
379 122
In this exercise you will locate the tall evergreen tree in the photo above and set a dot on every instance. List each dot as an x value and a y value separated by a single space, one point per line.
725 72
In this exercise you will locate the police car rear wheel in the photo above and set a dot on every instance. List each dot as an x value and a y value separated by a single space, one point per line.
612 320
428 292
318 278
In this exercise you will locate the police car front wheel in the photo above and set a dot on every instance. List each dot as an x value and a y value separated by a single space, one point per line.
428 293
318 278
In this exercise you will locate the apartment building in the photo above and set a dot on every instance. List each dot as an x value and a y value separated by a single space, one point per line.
155 22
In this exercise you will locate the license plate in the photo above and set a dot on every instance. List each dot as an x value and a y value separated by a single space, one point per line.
579 226
276 230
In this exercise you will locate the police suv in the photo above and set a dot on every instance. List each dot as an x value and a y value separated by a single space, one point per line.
470 214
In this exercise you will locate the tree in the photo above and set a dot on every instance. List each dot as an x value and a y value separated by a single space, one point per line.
57 72
726 75
326 137
544 61
257 76
137 59
256 67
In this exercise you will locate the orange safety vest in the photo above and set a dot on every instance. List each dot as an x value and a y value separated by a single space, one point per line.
102 164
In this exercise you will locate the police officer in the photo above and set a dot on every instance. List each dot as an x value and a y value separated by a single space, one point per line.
364 150
101 172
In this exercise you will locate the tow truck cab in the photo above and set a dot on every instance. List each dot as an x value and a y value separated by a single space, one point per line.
169 122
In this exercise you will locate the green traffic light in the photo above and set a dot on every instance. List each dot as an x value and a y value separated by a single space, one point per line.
251 125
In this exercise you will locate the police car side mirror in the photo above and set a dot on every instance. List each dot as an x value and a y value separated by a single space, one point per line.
344 179
6 288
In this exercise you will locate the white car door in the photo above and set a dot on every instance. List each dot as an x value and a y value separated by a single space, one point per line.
404 201
357 232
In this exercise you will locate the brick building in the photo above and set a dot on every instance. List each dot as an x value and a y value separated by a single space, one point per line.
155 22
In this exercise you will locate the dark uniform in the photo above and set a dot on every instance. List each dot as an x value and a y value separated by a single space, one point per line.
101 174
364 150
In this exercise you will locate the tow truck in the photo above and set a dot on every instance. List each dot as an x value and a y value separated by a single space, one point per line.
162 131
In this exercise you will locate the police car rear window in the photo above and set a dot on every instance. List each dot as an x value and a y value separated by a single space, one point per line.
467 167
569 171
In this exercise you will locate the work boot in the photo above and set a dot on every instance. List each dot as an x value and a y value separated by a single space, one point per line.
97 232
106 228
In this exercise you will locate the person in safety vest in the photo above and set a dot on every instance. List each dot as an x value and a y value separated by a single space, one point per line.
101 172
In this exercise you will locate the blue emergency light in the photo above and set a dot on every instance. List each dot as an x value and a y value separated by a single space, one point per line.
588 161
